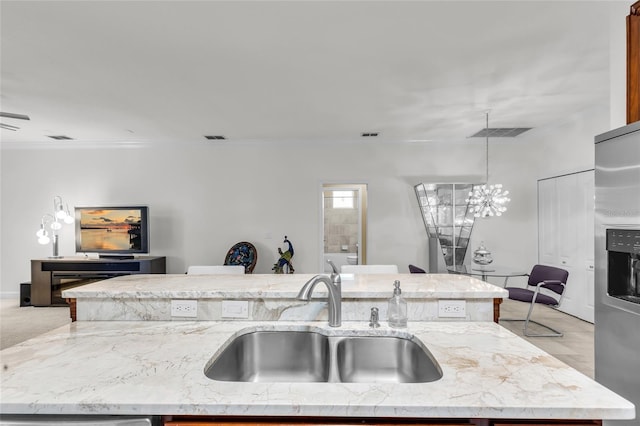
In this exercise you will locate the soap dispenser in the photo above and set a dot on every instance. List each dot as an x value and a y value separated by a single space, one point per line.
397 311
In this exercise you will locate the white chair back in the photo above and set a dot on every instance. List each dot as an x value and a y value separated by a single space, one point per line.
369 269
215 269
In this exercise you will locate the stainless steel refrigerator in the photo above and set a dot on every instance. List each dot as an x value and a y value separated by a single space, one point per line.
617 263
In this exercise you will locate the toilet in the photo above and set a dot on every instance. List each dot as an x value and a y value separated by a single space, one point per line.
352 260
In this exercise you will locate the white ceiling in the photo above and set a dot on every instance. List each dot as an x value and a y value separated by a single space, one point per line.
121 72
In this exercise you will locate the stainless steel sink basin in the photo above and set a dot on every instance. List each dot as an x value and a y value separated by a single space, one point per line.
310 356
273 356
385 359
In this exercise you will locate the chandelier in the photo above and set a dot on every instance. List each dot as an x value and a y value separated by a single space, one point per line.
488 200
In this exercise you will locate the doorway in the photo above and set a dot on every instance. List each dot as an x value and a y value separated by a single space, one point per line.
343 224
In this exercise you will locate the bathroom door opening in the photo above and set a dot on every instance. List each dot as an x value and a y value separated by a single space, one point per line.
343 224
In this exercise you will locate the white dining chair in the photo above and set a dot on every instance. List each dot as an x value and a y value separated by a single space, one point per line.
369 269
215 269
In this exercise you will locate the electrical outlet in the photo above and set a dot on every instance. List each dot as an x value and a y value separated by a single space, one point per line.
452 308
235 309
184 308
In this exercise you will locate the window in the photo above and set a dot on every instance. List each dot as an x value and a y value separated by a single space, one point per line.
343 199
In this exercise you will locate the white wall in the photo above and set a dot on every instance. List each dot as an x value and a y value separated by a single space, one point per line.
204 198
518 164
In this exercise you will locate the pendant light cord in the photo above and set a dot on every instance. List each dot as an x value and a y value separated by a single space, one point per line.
487 145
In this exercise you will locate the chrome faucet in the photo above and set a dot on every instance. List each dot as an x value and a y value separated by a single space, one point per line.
334 287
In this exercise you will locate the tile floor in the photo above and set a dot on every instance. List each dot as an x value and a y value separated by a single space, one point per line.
575 348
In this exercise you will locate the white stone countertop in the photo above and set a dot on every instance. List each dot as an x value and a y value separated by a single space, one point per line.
156 367
272 286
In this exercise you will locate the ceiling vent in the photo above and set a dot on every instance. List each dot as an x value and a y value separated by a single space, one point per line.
369 134
61 138
216 138
501 132
13 115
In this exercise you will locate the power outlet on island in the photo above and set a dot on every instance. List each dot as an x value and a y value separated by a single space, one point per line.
452 308
235 309
184 308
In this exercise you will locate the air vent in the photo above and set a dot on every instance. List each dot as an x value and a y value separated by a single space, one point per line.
216 138
61 138
501 132
370 135
16 116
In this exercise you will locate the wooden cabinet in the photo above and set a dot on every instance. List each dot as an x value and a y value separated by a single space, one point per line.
318 422
566 236
546 422
49 277
342 421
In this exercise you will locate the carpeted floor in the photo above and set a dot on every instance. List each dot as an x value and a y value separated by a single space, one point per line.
18 324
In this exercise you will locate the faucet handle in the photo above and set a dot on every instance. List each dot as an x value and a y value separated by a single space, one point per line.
333 266
335 275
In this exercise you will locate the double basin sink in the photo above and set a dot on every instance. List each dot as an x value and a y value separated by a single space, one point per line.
311 356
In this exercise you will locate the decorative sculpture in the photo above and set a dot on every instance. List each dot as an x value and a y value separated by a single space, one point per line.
482 256
285 259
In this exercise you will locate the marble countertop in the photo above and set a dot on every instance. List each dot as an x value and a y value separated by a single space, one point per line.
272 286
156 367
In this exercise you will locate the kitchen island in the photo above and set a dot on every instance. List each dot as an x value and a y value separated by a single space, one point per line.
273 297
153 363
157 368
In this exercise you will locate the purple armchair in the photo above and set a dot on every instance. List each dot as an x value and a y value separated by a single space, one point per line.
416 270
541 277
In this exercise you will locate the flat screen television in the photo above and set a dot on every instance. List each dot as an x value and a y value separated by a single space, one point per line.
112 231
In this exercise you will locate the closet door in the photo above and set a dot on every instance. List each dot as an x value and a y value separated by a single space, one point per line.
569 218
587 243
547 222
565 236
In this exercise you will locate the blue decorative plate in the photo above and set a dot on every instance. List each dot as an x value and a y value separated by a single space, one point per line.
244 254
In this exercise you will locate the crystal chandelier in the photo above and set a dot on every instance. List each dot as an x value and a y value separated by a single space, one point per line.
488 200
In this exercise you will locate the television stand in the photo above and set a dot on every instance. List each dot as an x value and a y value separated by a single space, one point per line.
49 277
116 256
